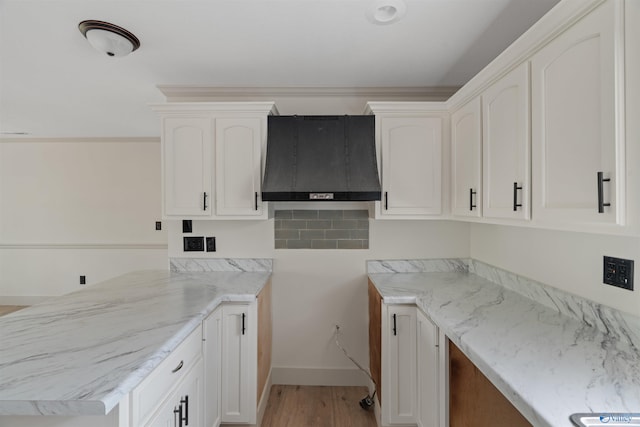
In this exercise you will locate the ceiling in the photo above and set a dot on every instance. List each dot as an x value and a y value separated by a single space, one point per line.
54 84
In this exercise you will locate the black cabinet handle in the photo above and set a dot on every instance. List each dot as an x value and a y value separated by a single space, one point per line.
471 194
178 411
177 368
243 326
395 329
204 201
185 401
601 181
516 205
386 201
256 200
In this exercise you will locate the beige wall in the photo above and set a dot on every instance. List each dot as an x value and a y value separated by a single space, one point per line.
566 260
315 289
78 207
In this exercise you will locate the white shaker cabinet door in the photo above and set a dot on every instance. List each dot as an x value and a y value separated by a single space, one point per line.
427 367
239 363
190 396
506 159
575 138
238 167
411 166
466 160
399 382
212 334
186 160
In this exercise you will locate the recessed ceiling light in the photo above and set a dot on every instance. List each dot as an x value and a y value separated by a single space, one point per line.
109 38
384 12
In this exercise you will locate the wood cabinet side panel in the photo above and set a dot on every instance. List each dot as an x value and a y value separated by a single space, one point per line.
265 331
375 337
474 400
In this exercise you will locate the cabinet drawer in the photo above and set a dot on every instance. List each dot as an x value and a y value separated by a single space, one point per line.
156 387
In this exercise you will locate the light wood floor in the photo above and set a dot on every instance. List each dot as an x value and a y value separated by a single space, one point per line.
6 309
316 406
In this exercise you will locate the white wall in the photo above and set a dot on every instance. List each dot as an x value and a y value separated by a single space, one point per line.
76 207
315 289
569 261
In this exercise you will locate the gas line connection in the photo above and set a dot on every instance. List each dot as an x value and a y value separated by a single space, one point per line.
367 402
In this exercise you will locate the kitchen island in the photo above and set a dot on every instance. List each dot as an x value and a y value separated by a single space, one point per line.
83 353
550 354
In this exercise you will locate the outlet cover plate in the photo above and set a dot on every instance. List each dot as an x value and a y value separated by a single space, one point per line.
193 244
618 272
211 244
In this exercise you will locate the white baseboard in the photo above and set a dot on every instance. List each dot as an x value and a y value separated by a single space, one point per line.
319 376
21 300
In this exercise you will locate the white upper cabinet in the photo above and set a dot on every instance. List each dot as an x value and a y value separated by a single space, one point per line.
238 166
506 137
213 159
409 142
466 160
186 158
575 139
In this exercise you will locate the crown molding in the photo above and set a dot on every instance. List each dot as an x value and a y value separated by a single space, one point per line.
194 92
217 107
565 14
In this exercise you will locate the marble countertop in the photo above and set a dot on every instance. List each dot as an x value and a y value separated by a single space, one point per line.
548 364
81 353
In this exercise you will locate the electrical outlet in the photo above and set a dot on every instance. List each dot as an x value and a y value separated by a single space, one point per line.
158 225
618 272
187 226
83 280
211 244
193 244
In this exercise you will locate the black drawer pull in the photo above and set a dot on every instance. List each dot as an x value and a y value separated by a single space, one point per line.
256 200
177 368
471 194
386 201
243 325
177 411
204 201
395 329
185 402
516 205
601 181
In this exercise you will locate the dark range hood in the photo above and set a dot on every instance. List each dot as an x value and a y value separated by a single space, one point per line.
321 158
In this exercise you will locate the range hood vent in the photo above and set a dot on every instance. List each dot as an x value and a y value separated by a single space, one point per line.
321 158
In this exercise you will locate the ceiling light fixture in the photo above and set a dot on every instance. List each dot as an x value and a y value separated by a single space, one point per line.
384 12
109 38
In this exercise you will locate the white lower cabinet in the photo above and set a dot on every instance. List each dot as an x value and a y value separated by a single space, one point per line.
212 336
410 368
239 363
183 408
399 378
178 377
427 371
231 365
